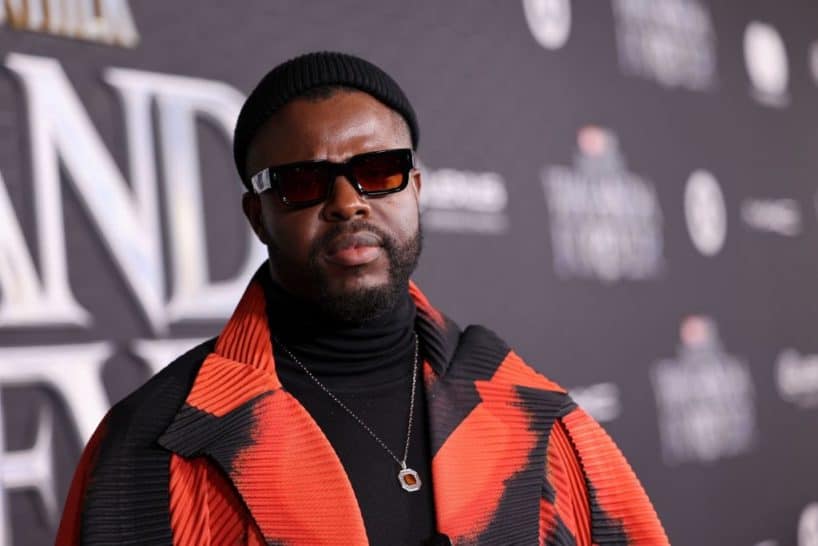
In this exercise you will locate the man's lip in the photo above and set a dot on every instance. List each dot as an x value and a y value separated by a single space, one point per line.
353 240
354 256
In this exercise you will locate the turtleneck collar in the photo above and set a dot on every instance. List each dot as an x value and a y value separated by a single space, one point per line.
340 354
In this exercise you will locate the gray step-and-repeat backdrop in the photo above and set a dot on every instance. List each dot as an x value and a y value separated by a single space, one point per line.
625 189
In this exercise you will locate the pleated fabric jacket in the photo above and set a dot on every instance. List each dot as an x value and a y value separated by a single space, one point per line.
214 451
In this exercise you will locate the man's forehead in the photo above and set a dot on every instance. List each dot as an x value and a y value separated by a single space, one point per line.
358 106
329 127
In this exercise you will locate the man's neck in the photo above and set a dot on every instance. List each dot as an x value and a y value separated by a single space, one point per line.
333 349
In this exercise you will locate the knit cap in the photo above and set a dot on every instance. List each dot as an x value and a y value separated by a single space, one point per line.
292 78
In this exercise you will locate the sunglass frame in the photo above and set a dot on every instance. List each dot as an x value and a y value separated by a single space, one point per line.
270 177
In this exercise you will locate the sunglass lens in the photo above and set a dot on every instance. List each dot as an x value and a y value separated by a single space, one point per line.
381 172
304 184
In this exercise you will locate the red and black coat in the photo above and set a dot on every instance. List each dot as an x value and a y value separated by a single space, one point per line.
213 451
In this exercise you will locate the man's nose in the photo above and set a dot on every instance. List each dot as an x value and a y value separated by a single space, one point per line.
344 202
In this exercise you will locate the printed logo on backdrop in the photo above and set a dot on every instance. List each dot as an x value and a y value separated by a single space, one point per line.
808 526
605 221
602 401
160 113
105 21
705 213
796 376
671 42
463 201
549 21
778 216
765 57
705 398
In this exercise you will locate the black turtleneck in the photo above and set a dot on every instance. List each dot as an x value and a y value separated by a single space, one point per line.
369 368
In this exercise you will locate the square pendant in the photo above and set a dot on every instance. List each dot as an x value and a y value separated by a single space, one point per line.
409 479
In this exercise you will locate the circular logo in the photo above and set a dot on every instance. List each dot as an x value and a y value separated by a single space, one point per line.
705 213
766 59
808 526
549 21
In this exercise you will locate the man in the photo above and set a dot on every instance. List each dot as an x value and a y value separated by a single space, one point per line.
338 406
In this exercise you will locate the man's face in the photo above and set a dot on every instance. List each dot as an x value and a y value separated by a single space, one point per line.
350 255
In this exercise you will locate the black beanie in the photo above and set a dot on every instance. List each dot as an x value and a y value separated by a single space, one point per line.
294 77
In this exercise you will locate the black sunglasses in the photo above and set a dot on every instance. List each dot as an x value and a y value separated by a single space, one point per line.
310 182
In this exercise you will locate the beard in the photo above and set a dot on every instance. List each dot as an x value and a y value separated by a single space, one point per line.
361 304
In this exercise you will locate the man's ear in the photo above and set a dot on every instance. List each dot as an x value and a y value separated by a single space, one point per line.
251 205
416 181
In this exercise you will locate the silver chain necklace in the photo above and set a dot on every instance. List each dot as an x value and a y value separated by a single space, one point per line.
407 477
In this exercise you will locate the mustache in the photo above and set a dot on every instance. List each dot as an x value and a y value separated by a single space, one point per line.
324 242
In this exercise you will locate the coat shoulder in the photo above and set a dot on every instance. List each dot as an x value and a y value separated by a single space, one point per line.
483 354
128 469
159 398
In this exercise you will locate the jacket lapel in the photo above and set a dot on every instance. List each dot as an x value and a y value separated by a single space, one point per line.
261 437
490 416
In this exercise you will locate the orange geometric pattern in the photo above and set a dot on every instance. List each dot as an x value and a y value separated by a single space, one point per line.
204 507
294 502
482 454
616 488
